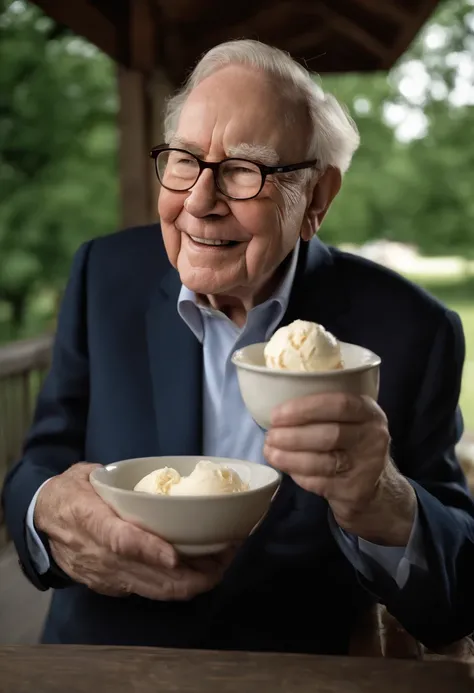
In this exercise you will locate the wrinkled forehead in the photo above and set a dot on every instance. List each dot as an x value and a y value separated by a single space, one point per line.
240 112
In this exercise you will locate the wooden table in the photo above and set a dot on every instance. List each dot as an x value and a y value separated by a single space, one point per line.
72 669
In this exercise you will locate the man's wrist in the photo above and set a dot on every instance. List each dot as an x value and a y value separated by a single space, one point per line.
388 519
39 516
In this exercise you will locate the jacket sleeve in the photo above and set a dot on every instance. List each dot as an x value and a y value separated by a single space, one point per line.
436 604
57 435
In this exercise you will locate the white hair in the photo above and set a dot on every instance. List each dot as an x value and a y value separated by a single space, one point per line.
334 135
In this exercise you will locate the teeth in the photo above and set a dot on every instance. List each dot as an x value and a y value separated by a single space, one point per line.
208 241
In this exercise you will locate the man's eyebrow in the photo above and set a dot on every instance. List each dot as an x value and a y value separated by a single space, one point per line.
181 143
261 153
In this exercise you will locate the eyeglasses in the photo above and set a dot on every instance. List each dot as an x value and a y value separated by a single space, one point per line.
178 170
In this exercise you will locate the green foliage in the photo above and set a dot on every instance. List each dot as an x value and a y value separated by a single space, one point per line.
417 191
58 175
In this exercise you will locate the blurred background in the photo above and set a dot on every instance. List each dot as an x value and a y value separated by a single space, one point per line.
82 87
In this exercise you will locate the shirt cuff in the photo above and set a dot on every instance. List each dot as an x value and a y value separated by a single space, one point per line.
38 554
395 560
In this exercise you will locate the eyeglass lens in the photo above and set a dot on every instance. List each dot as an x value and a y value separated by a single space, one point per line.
237 178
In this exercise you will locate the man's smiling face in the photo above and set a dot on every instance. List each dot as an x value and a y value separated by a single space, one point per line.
236 111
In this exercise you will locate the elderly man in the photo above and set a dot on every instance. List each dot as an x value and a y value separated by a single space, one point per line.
254 158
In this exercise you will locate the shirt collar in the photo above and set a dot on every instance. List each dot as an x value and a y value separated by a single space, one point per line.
191 312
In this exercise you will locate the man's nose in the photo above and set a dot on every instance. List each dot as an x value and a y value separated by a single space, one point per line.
202 199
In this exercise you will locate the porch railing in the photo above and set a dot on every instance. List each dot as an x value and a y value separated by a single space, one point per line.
23 366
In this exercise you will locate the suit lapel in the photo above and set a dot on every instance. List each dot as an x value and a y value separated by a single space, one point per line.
317 294
175 358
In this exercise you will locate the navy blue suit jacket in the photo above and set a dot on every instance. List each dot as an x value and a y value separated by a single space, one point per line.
126 381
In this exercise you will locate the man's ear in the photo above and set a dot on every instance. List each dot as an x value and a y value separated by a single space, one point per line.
324 193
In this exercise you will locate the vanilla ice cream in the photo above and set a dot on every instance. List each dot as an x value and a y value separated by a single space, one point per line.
207 479
303 346
160 481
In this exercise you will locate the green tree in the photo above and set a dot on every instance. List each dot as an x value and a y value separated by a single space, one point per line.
416 190
58 179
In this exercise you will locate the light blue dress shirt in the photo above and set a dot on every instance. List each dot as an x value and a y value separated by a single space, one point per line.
230 431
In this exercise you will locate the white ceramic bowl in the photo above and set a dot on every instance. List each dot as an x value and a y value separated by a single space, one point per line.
195 525
264 388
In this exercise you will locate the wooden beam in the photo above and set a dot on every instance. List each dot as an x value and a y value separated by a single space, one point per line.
386 8
304 42
185 10
407 35
84 19
267 24
352 30
270 23
142 32
211 16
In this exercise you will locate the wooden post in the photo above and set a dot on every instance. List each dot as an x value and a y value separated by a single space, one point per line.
143 89
133 123
142 102
160 90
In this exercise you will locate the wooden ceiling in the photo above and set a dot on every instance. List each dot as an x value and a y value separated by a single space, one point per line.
327 35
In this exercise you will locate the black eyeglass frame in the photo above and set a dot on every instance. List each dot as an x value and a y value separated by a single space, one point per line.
214 166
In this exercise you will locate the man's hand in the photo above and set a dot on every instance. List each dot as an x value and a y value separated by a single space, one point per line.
95 547
337 446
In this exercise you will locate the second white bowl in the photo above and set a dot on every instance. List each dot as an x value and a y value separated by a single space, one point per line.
195 525
265 388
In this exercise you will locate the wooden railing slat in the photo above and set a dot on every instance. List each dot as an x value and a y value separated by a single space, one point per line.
25 356
23 366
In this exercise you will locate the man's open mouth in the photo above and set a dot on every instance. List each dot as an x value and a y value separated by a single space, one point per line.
212 241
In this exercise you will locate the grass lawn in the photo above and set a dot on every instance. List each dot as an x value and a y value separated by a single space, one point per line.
458 294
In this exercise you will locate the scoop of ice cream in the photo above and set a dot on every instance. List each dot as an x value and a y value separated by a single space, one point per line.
303 346
160 481
209 478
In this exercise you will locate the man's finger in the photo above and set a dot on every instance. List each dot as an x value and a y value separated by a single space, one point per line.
122 538
320 486
82 470
136 544
327 407
307 464
321 437
190 583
